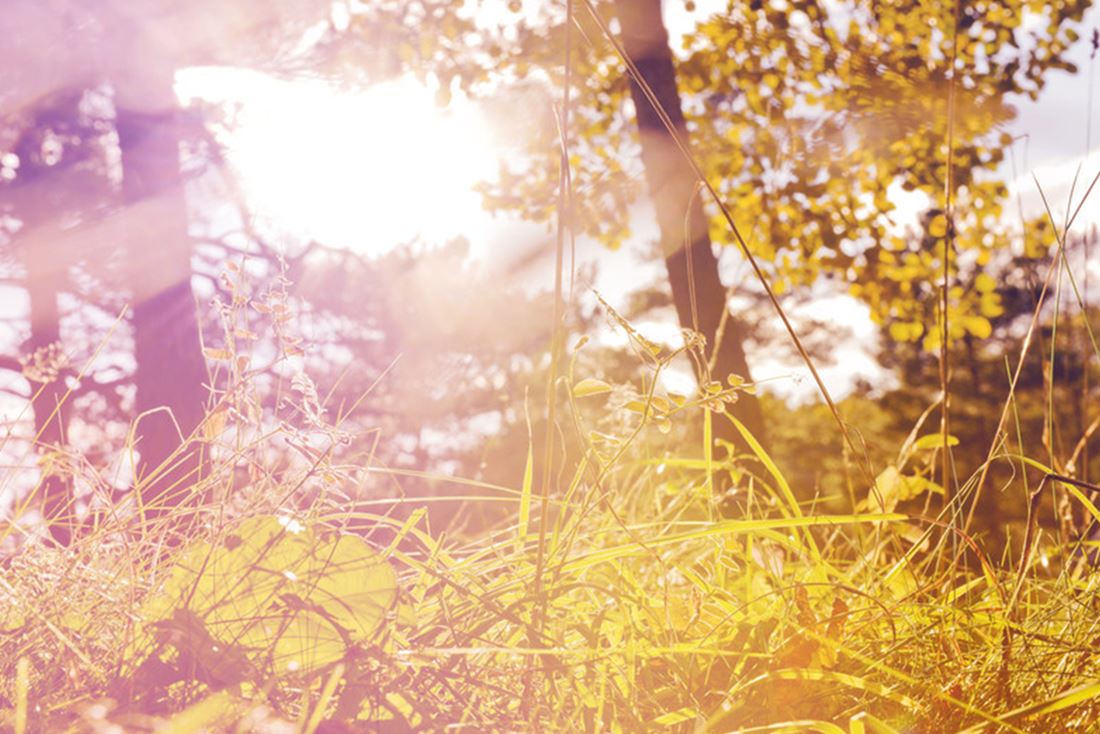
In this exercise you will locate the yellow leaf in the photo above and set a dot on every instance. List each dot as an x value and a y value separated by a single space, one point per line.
932 340
902 582
288 596
934 441
214 424
883 497
979 326
892 487
906 331
938 226
212 712
528 485
11 618
679 716
590 386
990 305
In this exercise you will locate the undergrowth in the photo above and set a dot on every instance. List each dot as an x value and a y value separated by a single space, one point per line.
289 603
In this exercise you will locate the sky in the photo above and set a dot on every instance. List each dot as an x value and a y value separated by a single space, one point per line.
387 165
364 171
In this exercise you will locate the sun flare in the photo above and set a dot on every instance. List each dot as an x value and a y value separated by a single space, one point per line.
383 166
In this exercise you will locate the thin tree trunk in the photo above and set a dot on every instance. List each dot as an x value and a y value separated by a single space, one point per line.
692 266
170 370
41 197
45 278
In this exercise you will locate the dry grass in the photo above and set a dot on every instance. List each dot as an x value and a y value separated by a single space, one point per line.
653 612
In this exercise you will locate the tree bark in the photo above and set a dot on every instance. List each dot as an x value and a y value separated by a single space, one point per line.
42 195
170 371
45 279
680 214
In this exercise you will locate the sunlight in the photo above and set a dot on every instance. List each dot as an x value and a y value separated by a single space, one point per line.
364 170
397 483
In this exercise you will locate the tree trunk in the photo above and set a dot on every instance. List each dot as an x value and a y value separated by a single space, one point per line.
42 196
45 278
680 213
170 371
